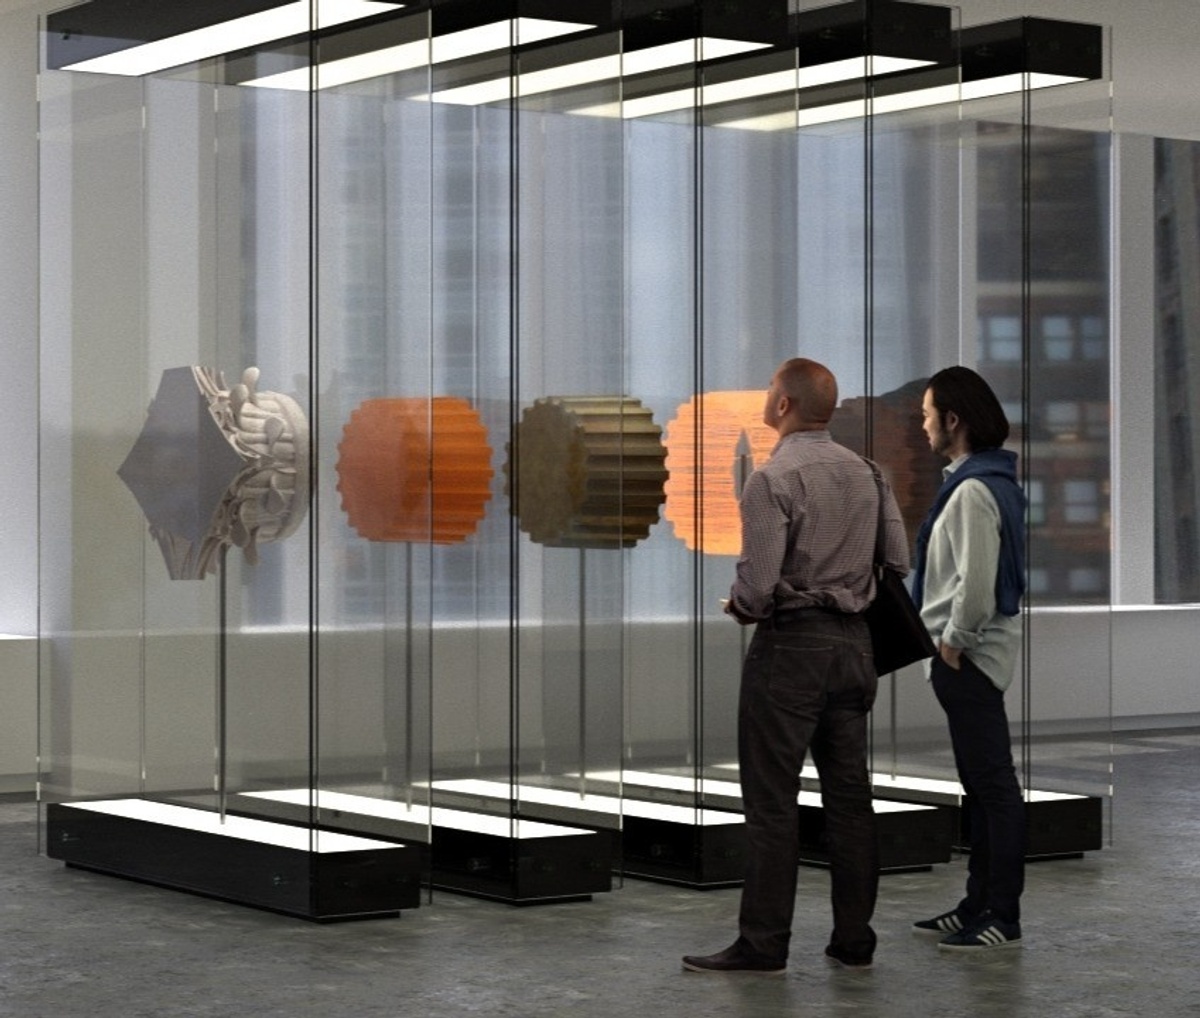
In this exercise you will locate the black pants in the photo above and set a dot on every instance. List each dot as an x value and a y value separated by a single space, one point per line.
996 810
807 685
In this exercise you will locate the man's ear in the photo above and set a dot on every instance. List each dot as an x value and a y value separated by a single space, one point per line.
952 421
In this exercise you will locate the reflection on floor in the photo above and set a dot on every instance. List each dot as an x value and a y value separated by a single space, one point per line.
1113 933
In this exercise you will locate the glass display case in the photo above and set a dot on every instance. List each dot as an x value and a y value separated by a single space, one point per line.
401 365
232 659
811 205
527 672
1035 302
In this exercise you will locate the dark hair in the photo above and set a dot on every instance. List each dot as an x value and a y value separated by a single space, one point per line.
961 391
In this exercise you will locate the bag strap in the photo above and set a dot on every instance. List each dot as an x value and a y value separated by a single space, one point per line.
879 525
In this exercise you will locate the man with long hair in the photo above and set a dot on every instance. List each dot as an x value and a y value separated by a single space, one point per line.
968 583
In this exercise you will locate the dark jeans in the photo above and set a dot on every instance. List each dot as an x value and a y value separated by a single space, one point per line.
996 810
807 684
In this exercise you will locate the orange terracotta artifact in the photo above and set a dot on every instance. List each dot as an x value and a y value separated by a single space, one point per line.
415 469
713 443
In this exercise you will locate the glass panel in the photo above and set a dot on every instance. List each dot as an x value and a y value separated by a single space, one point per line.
1177 537
188 219
95 556
263 203
761 277
661 326
1036 170
473 583
185 208
1033 240
1067 694
388 497
526 639
918 325
582 436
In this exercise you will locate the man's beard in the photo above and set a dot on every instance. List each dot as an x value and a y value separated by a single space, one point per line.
942 441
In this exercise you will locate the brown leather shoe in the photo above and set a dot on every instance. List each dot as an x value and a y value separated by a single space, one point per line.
838 956
738 957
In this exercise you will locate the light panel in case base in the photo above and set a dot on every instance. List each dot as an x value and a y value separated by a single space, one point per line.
664 836
666 841
311 874
486 854
1059 825
545 864
912 836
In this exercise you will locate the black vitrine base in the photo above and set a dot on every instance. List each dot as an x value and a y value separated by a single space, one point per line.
316 875
707 851
520 862
1060 825
1063 827
911 836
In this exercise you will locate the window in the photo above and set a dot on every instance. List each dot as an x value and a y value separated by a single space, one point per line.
1061 418
1093 337
1000 338
1058 337
1085 580
1081 502
1035 493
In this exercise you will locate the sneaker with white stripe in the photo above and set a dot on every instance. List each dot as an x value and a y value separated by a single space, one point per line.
948 922
989 933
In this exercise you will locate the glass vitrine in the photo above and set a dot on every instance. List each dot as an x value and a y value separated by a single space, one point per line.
233 661
401 368
527 663
678 826
1035 153
805 201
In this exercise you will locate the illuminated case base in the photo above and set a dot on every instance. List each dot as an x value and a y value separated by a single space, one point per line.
699 855
709 855
526 869
1060 825
1059 828
478 850
270 867
913 838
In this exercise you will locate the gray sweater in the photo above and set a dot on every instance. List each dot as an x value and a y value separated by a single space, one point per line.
959 607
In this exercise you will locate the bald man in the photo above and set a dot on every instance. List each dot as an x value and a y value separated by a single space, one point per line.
804 578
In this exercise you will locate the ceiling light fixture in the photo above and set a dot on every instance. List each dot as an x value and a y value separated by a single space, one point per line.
139 37
844 42
1000 58
407 56
653 38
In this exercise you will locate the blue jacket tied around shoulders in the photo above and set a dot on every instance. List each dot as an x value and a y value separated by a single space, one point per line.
997 468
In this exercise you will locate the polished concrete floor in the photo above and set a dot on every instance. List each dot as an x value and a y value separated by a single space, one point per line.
1116 933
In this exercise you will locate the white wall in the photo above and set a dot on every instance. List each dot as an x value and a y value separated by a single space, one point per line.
18 316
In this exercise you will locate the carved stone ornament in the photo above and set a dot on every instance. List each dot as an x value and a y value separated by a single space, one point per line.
217 466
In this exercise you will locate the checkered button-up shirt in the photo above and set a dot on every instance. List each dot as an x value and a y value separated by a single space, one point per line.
809 517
